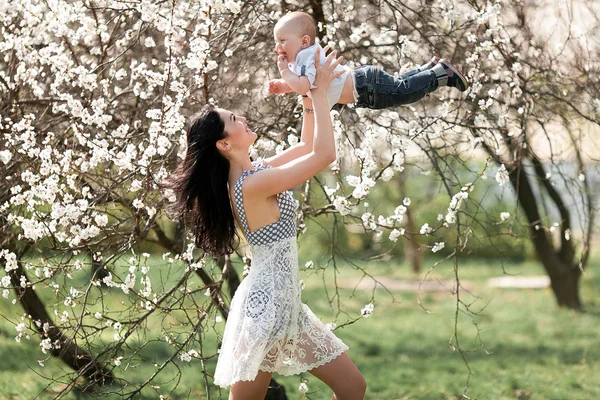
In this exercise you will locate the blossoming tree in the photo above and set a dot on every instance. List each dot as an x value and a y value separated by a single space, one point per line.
94 100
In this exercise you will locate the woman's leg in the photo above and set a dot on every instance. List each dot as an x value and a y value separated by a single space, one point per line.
342 376
251 390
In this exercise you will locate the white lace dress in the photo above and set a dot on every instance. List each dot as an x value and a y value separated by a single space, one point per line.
269 328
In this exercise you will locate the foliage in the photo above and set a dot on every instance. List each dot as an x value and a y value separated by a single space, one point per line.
94 100
485 215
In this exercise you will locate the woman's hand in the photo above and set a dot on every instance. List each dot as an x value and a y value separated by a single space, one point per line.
325 73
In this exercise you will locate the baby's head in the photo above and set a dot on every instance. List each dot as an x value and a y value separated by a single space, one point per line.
294 32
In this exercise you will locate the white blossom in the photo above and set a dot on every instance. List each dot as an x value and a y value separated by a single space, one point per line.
292 140
342 205
10 260
151 211
437 247
367 310
395 234
21 332
455 203
330 191
302 388
135 185
107 280
46 344
187 356
362 185
5 156
129 283
502 176
101 219
137 203
425 229
20 328
101 122
368 220
387 174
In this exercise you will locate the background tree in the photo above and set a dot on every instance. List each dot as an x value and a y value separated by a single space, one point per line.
93 106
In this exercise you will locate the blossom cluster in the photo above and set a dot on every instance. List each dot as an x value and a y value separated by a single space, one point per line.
94 108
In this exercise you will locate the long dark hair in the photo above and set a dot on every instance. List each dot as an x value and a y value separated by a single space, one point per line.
200 184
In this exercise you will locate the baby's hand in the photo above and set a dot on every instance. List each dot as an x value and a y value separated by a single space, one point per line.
282 63
276 86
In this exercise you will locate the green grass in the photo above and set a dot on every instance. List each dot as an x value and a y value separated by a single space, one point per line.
523 346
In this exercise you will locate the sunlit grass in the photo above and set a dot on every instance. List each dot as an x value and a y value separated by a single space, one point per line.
523 346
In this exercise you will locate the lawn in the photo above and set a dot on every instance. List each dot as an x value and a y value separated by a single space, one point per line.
517 343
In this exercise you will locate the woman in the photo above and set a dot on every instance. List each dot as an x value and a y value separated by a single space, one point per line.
268 329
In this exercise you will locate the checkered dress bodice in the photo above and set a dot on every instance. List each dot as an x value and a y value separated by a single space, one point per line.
284 228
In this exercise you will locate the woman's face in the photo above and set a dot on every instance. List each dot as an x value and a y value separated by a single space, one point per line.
239 135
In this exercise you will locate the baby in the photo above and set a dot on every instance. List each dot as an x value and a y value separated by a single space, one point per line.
367 86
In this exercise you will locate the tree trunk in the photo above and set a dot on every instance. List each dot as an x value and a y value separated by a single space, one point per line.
412 252
229 274
275 391
318 15
566 290
564 275
215 292
98 270
67 351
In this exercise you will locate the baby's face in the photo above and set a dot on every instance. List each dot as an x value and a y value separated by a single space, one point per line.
288 42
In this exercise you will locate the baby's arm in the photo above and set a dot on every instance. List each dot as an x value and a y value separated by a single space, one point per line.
299 84
278 86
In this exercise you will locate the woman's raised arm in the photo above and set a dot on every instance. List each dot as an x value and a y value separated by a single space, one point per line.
305 145
271 181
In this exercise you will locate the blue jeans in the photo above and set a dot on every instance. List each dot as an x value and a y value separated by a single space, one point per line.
377 89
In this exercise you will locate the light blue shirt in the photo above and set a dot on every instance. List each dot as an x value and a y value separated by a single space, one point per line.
305 66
